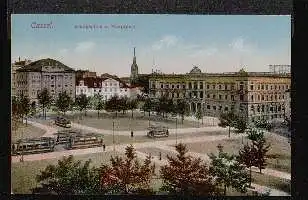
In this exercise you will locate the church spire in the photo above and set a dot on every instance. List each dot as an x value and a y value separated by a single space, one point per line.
134 59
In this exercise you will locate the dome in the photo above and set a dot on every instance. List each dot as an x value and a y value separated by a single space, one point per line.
195 70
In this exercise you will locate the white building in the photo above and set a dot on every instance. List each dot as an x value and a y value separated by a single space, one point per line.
106 87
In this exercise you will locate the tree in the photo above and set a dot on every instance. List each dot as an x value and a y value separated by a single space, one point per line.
44 99
82 102
185 175
25 106
199 116
147 106
99 106
16 112
63 102
113 104
262 124
163 104
247 157
181 107
69 177
227 119
261 147
126 176
228 171
123 104
132 105
240 125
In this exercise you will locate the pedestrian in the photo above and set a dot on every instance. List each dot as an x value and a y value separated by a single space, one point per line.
159 155
131 134
104 147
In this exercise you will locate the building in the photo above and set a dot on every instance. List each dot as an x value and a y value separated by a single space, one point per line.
85 74
288 104
45 73
106 86
16 65
134 70
252 95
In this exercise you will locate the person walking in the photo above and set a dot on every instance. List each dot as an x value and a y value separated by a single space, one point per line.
104 147
159 155
131 134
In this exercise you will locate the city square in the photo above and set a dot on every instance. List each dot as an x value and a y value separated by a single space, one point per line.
154 112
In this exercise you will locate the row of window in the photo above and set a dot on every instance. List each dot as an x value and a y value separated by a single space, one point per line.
225 86
100 90
263 108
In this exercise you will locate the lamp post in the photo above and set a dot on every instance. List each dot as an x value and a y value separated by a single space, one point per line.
113 136
176 131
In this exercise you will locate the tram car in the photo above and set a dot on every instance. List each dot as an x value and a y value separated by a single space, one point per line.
33 146
89 140
64 135
158 131
63 122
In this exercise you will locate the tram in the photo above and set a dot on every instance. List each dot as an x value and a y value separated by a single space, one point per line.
79 141
158 131
61 121
64 135
33 146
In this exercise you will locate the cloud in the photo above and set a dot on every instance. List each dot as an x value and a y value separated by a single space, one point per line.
204 52
84 46
241 44
166 42
63 51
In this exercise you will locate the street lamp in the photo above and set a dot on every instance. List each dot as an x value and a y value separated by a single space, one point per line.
176 131
113 136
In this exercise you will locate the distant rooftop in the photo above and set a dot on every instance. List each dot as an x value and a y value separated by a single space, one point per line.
36 66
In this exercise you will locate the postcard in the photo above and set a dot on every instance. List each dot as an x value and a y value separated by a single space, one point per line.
151 104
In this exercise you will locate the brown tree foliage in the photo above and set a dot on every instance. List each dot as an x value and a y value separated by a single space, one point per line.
127 176
185 175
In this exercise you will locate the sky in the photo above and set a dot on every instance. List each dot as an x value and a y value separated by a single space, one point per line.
169 43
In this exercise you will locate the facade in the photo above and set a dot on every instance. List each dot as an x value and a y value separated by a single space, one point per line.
85 74
288 104
251 95
15 66
45 73
106 87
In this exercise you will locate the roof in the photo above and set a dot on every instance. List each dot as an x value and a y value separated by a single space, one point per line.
225 74
36 66
89 81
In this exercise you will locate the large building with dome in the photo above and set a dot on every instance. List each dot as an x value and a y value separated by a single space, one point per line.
252 95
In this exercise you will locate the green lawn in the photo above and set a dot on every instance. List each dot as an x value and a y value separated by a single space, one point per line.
272 182
125 122
26 131
279 148
23 174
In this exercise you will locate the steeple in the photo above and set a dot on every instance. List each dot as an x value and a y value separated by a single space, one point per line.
134 69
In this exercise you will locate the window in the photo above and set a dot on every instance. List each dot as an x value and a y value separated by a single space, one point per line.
195 85
51 77
220 107
220 96
172 86
207 86
279 87
189 86
258 87
65 85
208 107
167 86
283 96
201 95
226 108
59 85
161 86
52 85
251 87
226 86
251 97
214 96
214 107
275 87
219 87
266 87
271 87
241 97
177 86
232 97
184 86
226 97
208 96
213 86
201 85
262 87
